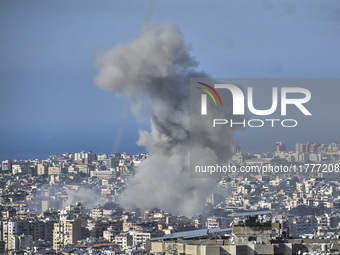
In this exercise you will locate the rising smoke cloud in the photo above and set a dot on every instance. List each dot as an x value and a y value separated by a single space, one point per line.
82 195
153 71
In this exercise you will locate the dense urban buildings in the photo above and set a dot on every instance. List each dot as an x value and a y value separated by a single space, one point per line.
67 204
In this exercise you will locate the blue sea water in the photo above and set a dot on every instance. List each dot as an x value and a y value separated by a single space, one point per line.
42 144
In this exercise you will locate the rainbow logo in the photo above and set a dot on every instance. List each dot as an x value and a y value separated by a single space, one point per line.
209 93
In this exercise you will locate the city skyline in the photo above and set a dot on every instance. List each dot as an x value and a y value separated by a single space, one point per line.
288 148
76 202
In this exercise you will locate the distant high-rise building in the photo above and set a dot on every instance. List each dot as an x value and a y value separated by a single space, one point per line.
314 147
85 157
300 148
23 168
279 146
66 232
109 163
18 242
41 169
85 168
54 170
235 148
102 157
6 165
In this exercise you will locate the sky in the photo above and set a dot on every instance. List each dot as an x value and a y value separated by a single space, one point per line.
50 104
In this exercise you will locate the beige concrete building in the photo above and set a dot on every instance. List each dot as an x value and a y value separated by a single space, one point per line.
54 170
41 169
66 232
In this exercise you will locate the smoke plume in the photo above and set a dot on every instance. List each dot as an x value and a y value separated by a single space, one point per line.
153 71
88 197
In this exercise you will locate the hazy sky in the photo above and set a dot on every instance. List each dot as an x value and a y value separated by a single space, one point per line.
50 103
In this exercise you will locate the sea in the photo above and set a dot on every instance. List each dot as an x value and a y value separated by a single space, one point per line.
24 146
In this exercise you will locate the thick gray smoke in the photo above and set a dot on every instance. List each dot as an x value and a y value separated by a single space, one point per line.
88 197
154 71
